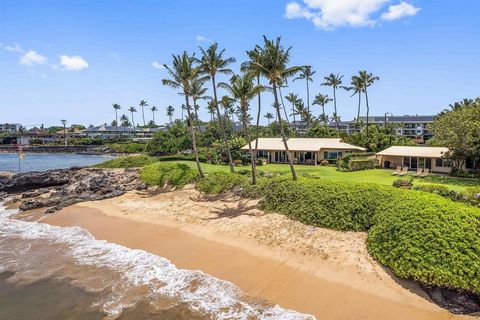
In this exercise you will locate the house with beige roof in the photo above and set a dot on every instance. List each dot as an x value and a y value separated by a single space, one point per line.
303 150
413 158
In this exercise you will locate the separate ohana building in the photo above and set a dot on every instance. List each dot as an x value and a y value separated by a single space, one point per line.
303 150
414 158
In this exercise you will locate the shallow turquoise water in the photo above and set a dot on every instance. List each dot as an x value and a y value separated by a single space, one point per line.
46 161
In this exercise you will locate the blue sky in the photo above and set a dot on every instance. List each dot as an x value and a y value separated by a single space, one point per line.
73 59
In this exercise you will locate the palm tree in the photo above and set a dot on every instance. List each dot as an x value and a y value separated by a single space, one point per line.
116 107
197 93
334 81
293 99
306 74
367 80
243 90
322 100
125 122
213 62
142 105
170 111
153 109
273 65
248 66
132 110
280 86
182 73
304 113
211 109
269 117
357 85
228 106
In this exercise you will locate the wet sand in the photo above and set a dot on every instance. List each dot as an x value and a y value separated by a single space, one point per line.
311 270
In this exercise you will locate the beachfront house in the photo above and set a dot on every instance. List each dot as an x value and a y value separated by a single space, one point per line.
303 150
432 158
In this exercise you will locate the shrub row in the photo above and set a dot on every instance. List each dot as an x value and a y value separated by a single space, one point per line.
182 157
127 162
172 174
356 162
419 235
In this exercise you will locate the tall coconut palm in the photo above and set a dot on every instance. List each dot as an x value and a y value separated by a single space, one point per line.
293 99
153 109
228 106
243 90
142 105
357 86
212 63
182 73
274 67
198 93
116 107
211 109
248 66
170 111
284 107
334 81
367 79
322 100
125 123
269 117
132 110
306 74
305 115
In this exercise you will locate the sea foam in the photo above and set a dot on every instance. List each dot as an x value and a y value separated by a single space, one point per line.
202 292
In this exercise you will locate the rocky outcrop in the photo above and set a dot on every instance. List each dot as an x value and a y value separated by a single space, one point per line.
56 189
454 300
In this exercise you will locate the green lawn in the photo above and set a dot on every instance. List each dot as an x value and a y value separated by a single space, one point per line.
379 176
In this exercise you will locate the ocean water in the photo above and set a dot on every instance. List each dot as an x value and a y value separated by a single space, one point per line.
10 162
49 272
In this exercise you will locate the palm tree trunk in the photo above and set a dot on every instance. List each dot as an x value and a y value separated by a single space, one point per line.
368 109
323 115
257 133
294 121
250 149
153 116
283 105
143 116
335 106
222 127
282 132
358 111
308 96
133 123
194 142
116 123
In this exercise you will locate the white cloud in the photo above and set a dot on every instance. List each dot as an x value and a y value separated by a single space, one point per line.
72 63
400 10
32 57
330 14
157 65
201 38
15 48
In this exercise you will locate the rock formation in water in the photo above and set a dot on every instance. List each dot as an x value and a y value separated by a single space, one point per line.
55 189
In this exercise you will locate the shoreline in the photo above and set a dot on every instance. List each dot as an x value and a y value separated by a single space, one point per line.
295 275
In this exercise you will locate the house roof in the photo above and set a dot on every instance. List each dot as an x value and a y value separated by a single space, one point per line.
303 144
428 152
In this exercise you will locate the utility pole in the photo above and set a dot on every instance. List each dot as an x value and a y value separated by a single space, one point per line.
64 122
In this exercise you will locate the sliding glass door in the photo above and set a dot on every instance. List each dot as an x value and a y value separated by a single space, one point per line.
417 163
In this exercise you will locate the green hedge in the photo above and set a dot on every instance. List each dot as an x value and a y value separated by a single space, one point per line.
127 162
419 235
429 239
361 161
362 164
182 157
172 174
128 147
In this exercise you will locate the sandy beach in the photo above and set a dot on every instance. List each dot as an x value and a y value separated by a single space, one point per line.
312 270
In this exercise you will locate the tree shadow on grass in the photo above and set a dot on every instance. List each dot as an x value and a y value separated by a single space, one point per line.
242 208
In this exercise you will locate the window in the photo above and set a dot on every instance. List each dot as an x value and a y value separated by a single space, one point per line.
332 155
440 162
262 154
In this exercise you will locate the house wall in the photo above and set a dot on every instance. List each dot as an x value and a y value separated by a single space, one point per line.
398 161
319 155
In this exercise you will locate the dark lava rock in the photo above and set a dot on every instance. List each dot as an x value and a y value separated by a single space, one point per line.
454 300
56 189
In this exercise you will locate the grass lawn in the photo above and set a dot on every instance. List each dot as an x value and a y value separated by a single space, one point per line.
380 176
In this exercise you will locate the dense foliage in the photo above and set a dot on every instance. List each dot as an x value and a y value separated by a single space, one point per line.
128 147
356 162
420 235
168 174
128 162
